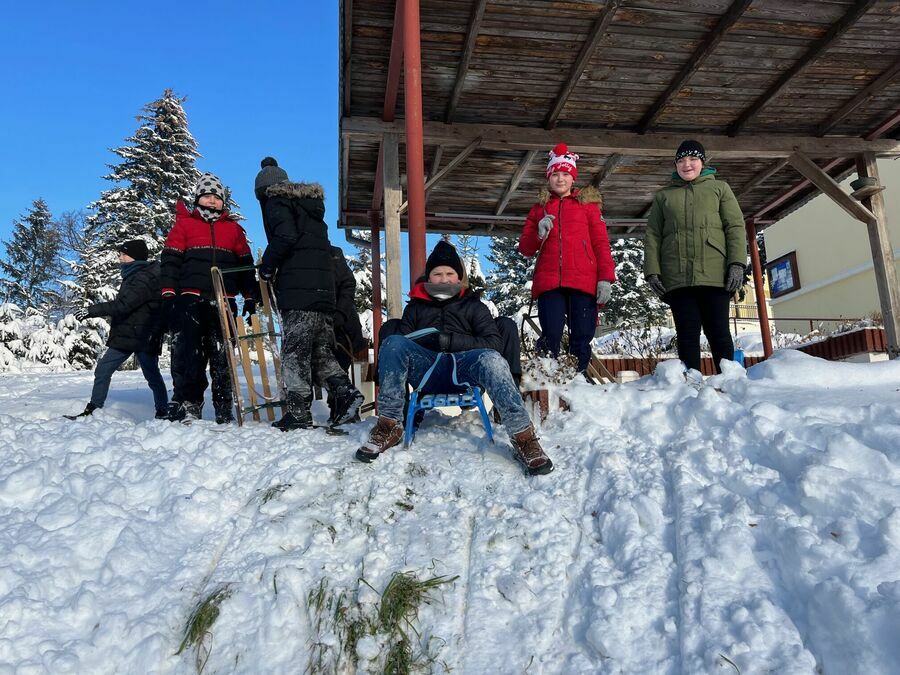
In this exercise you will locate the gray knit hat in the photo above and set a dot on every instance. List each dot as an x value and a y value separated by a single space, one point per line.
270 174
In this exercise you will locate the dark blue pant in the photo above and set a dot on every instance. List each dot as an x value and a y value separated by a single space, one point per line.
110 362
566 307
696 307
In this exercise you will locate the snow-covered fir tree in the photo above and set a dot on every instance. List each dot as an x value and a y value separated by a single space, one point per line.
509 282
361 266
156 170
467 247
632 301
32 266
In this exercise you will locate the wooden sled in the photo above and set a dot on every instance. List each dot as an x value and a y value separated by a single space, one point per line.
241 341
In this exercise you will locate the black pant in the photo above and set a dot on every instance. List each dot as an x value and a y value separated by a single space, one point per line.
701 306
567 307
198 341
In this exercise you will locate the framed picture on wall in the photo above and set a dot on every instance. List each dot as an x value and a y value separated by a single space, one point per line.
783 275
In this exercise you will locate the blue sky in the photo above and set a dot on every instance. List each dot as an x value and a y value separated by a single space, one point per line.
260 79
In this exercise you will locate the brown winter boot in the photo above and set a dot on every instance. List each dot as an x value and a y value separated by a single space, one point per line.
528 451
385 434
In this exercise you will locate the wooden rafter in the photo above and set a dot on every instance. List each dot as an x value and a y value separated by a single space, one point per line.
468 50
816 175
436 162
452 164
608 169
704 49
862 97
514 181
762 176
603 142
598 30
395 65
859 8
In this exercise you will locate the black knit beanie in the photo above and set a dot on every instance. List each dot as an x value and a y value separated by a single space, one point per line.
691 149
270 174
136 248
444 254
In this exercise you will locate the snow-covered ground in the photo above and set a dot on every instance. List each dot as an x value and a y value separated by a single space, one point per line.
749 524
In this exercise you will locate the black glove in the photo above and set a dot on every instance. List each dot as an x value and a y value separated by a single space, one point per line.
249 307
81 314
167 315
436 342
734 278
266 273
656 285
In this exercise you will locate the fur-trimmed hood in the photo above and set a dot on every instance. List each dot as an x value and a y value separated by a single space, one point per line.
586 195
298 190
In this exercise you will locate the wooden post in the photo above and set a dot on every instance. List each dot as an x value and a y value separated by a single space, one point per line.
392 197
415 149
760 288
376 279
882 258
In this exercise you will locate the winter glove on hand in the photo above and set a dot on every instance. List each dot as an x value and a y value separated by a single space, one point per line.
167 318
656 285
249 307
81 314
266 273
545 224
444 340
604 291
734 279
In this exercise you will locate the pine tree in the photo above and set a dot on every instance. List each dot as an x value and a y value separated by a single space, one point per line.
32 265
157 170
361 266
467 247
509 286
632 301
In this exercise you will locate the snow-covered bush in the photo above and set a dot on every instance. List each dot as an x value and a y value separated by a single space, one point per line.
28 341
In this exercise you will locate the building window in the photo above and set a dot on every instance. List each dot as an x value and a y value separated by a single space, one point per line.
783 275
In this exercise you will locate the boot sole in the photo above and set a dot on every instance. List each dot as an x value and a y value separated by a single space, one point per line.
366 457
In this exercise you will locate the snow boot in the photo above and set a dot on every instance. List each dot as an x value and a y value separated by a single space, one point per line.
347 400
180 411
162 413
297 415
385 434
87 412
224 412
528 451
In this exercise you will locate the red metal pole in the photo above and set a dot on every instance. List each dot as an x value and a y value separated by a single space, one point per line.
415 137
760 288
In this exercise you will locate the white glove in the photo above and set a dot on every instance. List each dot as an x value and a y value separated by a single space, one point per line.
604 291
545 224
81 314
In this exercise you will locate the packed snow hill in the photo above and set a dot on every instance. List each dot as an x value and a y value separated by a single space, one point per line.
746 524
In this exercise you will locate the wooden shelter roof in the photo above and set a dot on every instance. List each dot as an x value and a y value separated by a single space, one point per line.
621 81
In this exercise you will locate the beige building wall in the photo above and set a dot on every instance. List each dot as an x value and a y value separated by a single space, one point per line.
834 260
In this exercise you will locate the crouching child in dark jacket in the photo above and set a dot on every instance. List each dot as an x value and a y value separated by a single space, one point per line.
298 262
135 327
441 299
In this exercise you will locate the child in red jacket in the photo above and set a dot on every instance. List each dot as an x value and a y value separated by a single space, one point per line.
574 270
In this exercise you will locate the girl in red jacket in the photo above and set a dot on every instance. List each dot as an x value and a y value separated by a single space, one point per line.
574 270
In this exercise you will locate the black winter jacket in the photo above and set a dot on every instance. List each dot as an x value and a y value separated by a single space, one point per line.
347 328
135 320
464 317
298 249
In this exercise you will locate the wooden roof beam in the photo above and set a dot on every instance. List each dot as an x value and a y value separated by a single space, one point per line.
859 8
818 177
598 30
395 65
468 50
862 97
693 64
514 181
347 33
762 176
452 164
604 142
612 162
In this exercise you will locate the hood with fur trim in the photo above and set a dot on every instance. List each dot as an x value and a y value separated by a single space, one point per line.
298 190
586 195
